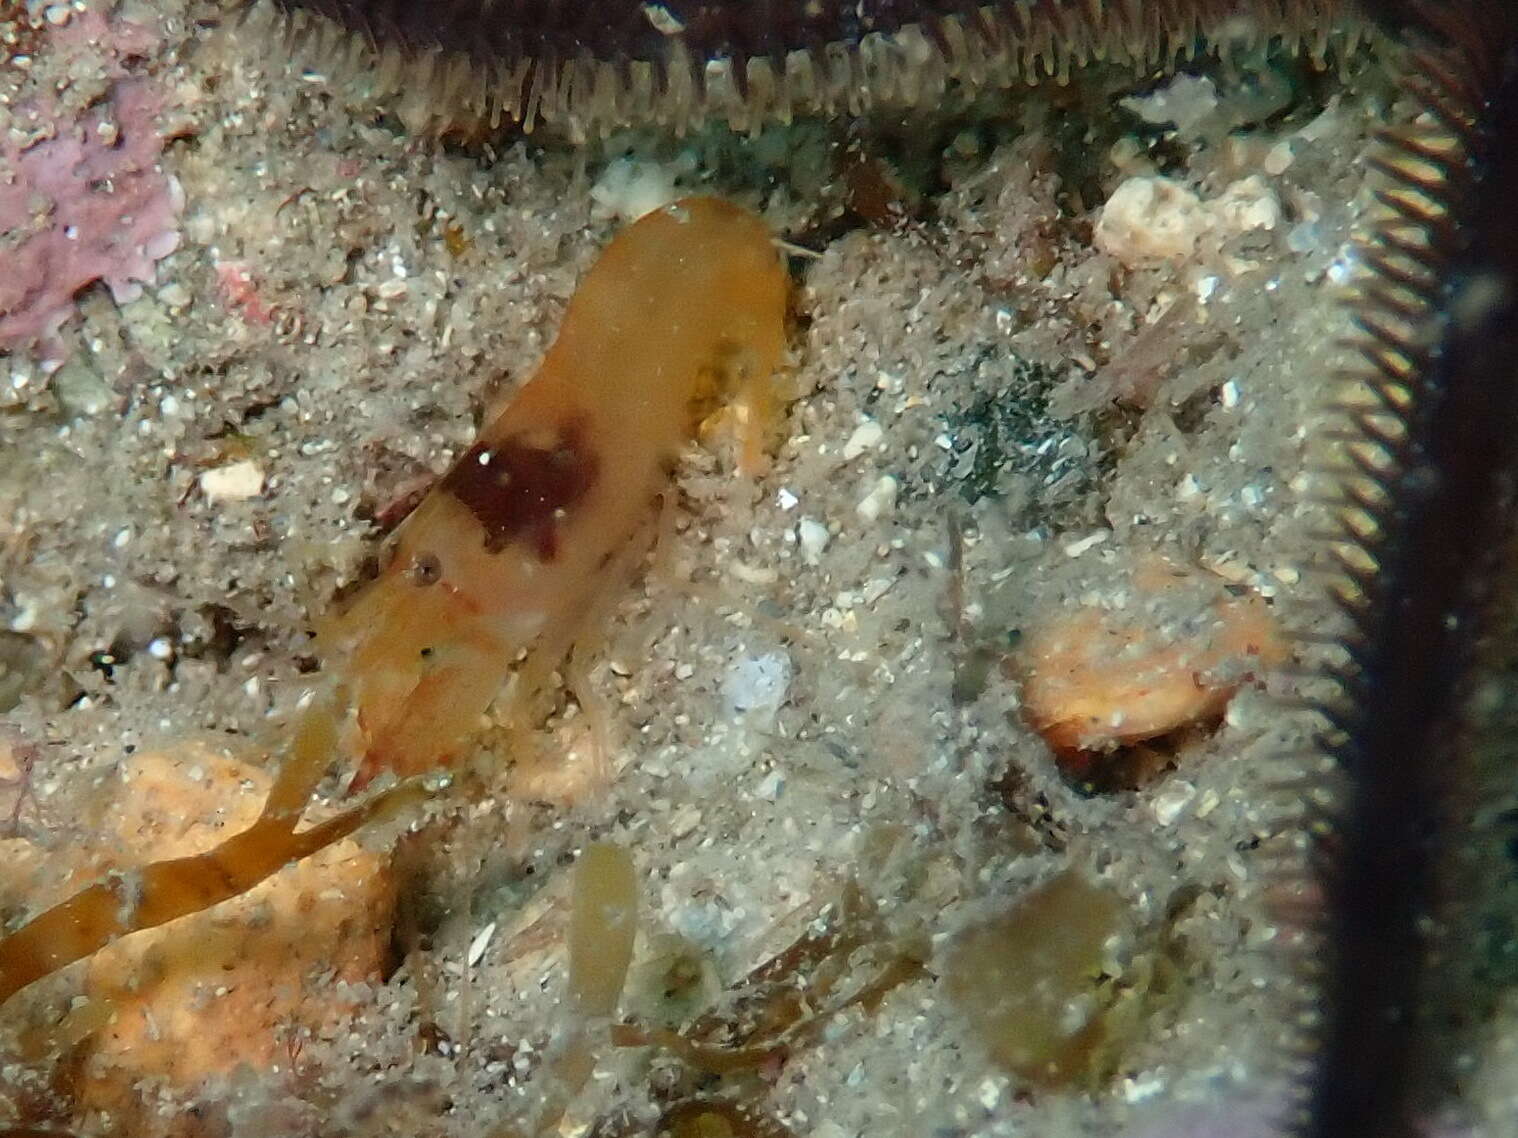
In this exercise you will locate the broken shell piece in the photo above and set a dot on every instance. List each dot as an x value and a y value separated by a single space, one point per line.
1096 680
242 983
235 482
1150 219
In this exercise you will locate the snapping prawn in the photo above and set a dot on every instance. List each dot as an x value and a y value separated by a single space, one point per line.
512 547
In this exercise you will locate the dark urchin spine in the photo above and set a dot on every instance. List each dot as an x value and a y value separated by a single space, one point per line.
597 65
1428 439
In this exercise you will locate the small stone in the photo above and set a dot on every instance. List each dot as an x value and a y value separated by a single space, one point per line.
1279 158
1246 205
989 1093
236 482
630 187
879 501
684 820
1171 800
81 390
1189 103
757 685
478 945
175 295
1088 543
770 786
1150 219
813 537
866 436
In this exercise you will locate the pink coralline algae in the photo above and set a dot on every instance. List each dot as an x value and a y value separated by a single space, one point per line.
86 201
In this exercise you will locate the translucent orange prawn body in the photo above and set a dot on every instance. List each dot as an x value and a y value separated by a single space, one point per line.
500 564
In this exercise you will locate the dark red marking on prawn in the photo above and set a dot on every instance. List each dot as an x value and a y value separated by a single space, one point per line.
1426 468
516 489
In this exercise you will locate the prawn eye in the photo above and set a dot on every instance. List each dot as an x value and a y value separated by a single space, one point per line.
426 569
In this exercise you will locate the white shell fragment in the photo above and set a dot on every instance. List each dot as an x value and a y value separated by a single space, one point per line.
235 482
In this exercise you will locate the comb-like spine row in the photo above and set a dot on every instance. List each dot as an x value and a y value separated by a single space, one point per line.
1426 435
591 66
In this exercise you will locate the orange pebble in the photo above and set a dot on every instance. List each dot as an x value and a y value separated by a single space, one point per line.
241 985
1096 680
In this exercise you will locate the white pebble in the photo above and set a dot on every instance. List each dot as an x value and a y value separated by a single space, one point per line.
478 945
1279 158
684 820
866 436
1188 102
1076 548
1304 237
1343 266
235 482
630 187
757 685
1149 219
752 574
813 536
1138 1090
1171 800
1247 204
769 786
989 1093
880 500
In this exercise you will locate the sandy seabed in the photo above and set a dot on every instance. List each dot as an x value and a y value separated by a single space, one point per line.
1083 346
